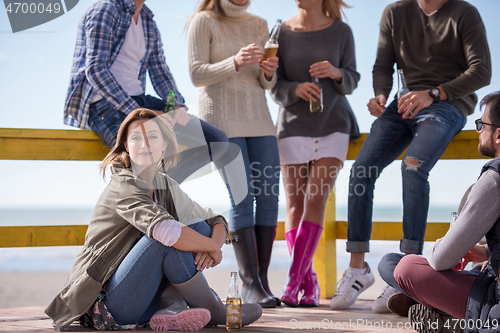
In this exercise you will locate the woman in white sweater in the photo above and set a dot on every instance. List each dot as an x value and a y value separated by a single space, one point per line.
225 51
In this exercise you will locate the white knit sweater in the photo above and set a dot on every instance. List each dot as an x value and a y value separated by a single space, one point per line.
233 100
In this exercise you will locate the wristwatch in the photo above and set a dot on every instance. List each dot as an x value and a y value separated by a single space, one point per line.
435 93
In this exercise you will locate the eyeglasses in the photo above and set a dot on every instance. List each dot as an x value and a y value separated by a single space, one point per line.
479 125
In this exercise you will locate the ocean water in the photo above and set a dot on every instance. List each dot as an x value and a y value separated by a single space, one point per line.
60 259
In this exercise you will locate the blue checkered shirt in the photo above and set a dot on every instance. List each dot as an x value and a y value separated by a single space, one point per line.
101 33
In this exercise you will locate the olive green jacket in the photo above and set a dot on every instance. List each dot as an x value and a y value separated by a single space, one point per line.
124 211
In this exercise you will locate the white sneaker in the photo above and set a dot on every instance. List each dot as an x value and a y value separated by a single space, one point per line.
349 288
380 304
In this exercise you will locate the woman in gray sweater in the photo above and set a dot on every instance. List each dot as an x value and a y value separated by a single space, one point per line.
313 146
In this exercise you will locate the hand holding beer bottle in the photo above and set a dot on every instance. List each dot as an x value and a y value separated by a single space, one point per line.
269 63
271 47
317 106
269 67
179 116
308 91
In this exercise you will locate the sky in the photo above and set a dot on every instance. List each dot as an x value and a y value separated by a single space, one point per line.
35 67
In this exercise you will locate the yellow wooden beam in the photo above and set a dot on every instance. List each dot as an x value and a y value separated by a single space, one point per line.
280 231
55 235
325 258
56 145
27 236
19 236
463 146
394 230
85 145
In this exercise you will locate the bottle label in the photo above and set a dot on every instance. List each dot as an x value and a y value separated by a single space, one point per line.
233 313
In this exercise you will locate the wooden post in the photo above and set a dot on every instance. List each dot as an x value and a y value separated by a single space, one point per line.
325 263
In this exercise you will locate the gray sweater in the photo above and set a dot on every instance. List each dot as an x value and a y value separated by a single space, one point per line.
448 48
478 215
297 52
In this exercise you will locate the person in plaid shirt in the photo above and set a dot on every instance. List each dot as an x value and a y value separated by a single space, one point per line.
117 43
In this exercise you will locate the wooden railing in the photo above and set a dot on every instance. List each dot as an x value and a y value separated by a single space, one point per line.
84 145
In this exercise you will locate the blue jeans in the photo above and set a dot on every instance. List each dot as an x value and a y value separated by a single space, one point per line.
133 292
205 142
388 264
426 136
386 268
261 160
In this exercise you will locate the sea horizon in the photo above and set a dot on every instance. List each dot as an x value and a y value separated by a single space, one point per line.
24 216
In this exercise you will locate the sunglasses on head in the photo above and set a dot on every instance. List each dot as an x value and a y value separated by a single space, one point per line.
479 125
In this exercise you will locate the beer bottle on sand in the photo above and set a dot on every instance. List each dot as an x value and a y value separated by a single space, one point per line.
233 305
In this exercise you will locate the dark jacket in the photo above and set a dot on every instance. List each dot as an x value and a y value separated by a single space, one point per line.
483 306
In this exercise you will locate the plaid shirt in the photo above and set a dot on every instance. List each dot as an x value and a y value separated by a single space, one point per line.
101 34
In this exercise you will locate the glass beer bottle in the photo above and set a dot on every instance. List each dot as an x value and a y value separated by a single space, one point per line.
402 86
233 305
170 104
271 47
318 105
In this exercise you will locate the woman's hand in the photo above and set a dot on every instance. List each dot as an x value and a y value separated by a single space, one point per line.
203 260
269 67
248 55
216 256
308 91
324 69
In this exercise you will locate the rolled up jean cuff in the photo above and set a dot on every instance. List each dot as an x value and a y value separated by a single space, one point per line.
409 246
357 247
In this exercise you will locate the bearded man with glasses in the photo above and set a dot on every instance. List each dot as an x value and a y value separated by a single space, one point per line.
451 298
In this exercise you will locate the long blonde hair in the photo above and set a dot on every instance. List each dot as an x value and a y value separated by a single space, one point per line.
333 8
118 155
214 9
212 6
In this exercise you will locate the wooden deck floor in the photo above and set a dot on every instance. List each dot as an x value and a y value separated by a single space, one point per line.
358 318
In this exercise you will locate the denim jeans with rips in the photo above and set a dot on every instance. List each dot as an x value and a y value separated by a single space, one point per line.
205 142
133 292
425 137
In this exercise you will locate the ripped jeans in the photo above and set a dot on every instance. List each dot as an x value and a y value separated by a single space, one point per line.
426 136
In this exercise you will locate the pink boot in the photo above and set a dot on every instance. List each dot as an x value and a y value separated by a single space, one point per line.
310 297
310 285
290 236
306 242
